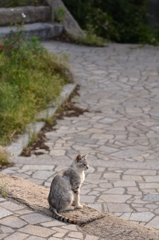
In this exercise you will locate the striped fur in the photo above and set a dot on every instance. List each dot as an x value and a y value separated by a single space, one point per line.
65 188
59 217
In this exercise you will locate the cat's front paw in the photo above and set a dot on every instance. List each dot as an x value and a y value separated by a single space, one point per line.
69 208
79 206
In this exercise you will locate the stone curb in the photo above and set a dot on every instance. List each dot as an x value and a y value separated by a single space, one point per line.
22 141
93 222
70 24
35 197
41 30
27 14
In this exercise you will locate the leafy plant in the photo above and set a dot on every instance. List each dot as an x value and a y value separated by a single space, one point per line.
91 39
60 14
121 21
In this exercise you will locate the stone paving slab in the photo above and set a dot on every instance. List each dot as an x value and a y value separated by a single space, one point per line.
16 147
119 86
92 221
29 224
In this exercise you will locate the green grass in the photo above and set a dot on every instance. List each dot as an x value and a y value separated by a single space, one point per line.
59 15
91 39
29 78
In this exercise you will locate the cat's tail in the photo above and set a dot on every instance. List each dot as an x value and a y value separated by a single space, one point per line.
61 218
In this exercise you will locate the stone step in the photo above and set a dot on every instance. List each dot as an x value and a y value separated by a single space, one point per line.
28 14
41 30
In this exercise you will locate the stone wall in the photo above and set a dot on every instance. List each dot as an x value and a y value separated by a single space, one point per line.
29 14
70 24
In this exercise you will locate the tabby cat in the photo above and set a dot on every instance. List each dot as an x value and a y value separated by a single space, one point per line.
65 188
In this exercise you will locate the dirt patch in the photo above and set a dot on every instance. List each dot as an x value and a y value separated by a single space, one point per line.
114 228
65 38
67 109
38 144
6 165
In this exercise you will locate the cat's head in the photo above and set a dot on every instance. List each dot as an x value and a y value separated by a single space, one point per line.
81 162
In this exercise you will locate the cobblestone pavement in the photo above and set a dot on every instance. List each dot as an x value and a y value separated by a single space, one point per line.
119 87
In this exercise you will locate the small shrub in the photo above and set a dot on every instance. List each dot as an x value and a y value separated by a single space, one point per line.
121 21
4 155
91 39
59 15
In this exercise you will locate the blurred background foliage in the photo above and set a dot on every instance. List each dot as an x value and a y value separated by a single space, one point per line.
121 21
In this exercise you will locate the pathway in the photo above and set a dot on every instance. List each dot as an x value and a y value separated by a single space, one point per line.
119 87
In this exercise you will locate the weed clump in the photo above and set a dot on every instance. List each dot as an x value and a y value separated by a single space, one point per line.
4 155
91 39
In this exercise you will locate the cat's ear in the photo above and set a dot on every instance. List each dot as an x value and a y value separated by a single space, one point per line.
85 156
78 158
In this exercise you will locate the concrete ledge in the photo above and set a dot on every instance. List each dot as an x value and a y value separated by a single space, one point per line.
35 197
93 222
41 30
33 128
28 14
114 228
